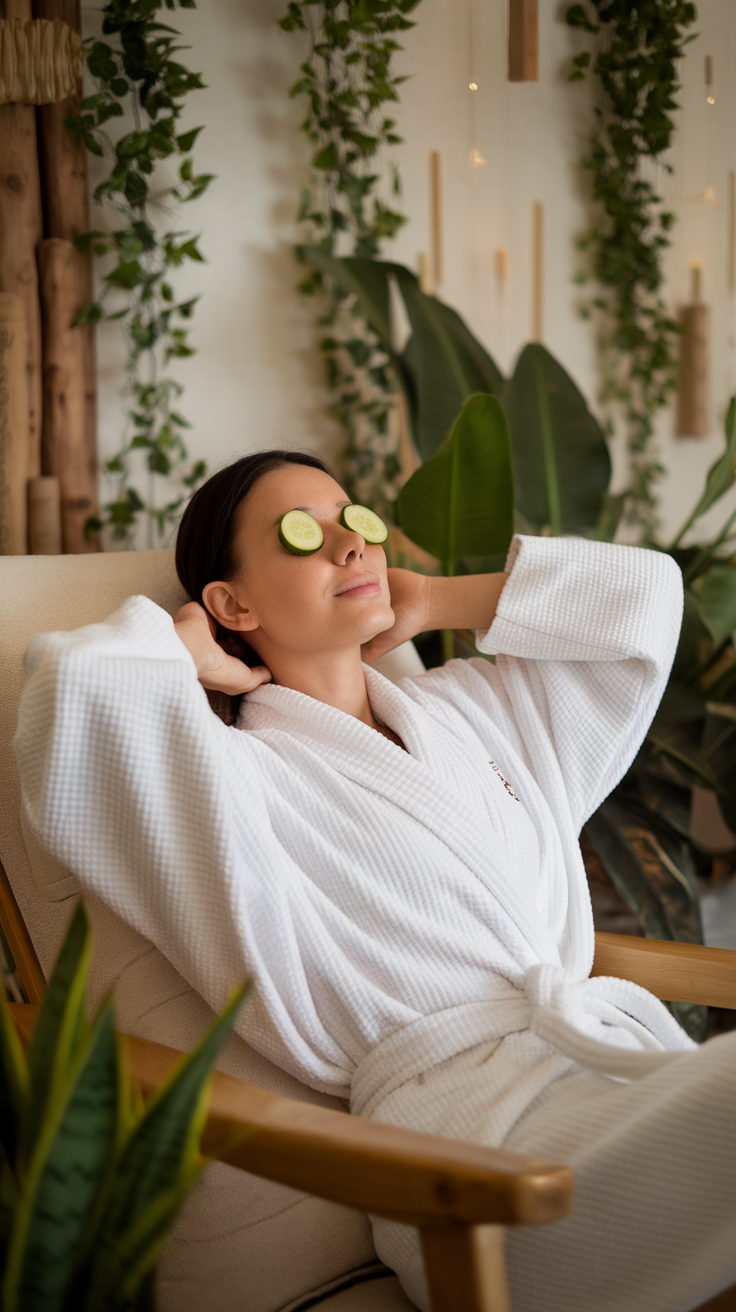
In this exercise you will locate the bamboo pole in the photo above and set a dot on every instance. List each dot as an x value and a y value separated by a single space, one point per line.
63 163
21 229
67 400
14 423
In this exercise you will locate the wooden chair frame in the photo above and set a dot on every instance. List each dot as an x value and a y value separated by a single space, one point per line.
460 1195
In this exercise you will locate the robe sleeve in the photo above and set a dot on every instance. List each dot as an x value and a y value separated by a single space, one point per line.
585 634
128 781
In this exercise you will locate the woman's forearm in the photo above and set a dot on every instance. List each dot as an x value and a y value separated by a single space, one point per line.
466 602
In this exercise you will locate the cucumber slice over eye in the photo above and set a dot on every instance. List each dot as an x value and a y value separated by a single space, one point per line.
359 519
300 533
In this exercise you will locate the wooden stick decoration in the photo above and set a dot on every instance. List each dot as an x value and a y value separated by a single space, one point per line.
63 162
692 412
537 271
21 230
523 41
40 61
13 425
435 216
67 400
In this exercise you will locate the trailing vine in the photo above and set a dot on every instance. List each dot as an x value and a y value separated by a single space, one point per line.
348 208
139 75
634 61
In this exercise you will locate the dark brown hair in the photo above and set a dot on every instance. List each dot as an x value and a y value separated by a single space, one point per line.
205 541
206 537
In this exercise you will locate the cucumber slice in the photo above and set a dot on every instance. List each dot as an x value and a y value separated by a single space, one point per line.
359 519
300 533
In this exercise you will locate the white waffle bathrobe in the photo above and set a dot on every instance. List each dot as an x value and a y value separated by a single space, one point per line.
417 922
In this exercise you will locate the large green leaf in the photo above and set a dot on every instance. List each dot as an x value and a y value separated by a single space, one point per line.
716 592
720 476
443 363
61 1024
74 1147
562 466
159 1157
460 501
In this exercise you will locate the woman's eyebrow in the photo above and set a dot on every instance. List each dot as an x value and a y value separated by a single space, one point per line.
307 510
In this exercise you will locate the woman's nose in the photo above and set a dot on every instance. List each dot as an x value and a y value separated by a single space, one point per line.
348 544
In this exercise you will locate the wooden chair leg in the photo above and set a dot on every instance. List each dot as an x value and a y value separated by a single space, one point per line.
465 1268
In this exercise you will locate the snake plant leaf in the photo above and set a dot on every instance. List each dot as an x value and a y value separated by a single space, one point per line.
61 1025
74 1148
137 1250
716 592
720 476
562 466
158 1157
444 363
460 502
13 1083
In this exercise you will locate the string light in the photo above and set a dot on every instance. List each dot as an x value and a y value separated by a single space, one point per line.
473 86
476 159
710 98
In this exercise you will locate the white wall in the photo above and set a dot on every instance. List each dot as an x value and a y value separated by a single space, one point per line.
257 377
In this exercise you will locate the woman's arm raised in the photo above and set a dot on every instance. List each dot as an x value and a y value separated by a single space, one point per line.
216 670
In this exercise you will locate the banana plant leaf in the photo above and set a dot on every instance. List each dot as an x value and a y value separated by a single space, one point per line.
716 593
562 466
443 363
460 501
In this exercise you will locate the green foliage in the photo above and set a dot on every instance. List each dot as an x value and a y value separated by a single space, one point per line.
347 84
460 502
139 75
561 463
90 1180
636 49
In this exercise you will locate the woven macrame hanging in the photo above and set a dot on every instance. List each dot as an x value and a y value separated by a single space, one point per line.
40 61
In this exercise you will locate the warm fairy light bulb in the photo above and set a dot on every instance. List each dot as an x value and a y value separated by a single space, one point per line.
473 86
709 195
476 159
711 100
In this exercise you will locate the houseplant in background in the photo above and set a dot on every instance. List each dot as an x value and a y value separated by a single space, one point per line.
136 72
91 1180
561 474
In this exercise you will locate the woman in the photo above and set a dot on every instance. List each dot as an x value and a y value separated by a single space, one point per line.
398 868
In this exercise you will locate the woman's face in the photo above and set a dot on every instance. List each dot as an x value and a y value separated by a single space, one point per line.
334 599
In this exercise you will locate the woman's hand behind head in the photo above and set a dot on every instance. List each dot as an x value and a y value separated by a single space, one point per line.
216 669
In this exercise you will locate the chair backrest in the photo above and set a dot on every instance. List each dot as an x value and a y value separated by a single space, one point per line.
40 594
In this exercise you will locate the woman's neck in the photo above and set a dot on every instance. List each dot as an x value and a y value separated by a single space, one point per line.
335 678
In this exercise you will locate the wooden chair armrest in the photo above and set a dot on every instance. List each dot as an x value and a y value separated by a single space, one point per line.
418 1179
677 972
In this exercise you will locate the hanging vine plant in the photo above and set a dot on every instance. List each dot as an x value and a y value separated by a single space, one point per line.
137 73
348 208
634 62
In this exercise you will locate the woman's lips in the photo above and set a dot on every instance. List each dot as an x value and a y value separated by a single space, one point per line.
365 585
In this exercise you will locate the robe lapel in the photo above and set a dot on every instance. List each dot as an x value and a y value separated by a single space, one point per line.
422 781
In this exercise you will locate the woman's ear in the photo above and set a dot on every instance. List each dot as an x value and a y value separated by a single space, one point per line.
223 605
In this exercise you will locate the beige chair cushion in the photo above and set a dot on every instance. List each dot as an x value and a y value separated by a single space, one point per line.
241 1243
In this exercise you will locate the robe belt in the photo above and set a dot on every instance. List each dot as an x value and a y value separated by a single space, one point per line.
605 1024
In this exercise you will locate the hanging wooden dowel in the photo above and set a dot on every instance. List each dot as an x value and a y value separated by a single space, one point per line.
692 410
14 430
537 272
21 230
731 257
523 41
68 392
44 516
435 216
